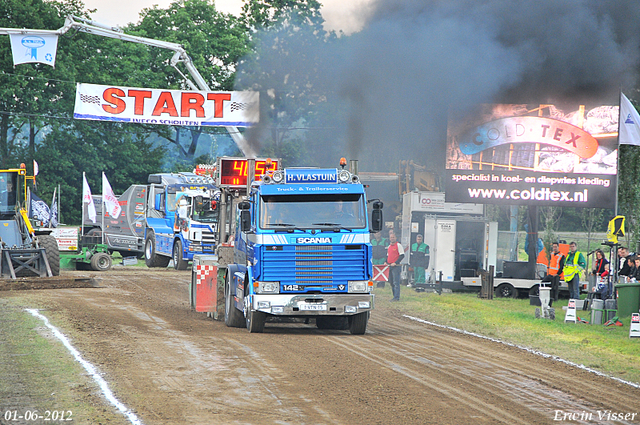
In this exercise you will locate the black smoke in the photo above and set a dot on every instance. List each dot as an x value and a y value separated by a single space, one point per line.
415 63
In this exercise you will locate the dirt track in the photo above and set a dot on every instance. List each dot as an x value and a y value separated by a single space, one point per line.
174 366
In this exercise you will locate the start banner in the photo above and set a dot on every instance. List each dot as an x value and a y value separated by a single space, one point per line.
168 107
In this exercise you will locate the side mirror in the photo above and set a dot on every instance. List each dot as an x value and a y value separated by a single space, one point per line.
199 203
376 217
245 220
245 216
158 202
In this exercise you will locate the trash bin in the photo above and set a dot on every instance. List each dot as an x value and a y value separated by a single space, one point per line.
628 295
597 311
610 308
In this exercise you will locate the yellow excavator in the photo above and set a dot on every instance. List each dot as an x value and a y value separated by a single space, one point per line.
24 251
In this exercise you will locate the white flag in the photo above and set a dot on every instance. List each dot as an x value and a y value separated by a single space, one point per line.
109 199
88 199
629 133
34 48
36 169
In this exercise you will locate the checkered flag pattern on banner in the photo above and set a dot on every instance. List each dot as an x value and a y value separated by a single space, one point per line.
237 106
85 98
381 272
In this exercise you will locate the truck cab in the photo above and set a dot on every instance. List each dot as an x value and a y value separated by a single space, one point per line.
181 218
302 250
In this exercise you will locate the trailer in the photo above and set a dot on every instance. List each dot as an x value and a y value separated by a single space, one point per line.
463 245
174 217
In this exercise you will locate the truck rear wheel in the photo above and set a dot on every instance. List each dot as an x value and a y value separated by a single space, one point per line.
232 316
255 321
179 263
52 252
101 262
151 258
358 323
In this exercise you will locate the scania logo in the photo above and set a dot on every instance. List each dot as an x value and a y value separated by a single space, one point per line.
313 240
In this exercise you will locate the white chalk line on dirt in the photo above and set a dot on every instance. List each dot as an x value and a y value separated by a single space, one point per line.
89 368
529 350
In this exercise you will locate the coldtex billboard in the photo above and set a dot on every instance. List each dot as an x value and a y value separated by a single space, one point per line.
534 154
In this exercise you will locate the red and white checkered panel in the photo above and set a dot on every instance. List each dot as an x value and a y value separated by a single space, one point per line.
381 272
202 272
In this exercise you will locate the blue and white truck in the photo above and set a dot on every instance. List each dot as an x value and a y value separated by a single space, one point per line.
302 250
181 218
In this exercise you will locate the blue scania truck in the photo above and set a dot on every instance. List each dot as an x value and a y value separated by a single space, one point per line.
302 250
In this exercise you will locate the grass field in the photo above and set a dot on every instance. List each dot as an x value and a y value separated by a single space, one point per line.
37 374
606 349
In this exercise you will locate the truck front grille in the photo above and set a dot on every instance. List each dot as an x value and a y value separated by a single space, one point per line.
208 237
315 267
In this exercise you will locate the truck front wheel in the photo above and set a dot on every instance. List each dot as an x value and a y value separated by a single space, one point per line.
358 323
151 258
232 316
255 321
179 263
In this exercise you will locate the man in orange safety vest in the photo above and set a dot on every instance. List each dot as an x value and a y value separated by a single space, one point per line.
554 271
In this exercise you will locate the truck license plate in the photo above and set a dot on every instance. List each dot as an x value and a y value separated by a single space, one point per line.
313 307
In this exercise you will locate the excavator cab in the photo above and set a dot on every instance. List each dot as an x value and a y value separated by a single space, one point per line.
23 250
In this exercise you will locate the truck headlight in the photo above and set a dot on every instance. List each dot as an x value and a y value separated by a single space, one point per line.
268 287
358 286
344 176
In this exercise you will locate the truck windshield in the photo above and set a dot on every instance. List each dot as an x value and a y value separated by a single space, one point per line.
8 192
312 211
206 216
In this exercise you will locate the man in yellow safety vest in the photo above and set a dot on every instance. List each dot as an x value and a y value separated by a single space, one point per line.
574 261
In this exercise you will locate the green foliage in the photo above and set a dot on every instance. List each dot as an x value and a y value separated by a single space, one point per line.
288 63
629 191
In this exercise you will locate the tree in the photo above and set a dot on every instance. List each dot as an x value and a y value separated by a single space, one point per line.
591 218
214 40
290 57
550 217
629 191
36 107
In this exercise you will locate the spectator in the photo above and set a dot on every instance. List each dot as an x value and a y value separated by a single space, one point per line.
601 271
623 257
629 268
601 265
636 274
419 260
556 264
572 265
395 254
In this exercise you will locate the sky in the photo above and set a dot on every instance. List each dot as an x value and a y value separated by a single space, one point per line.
338 14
